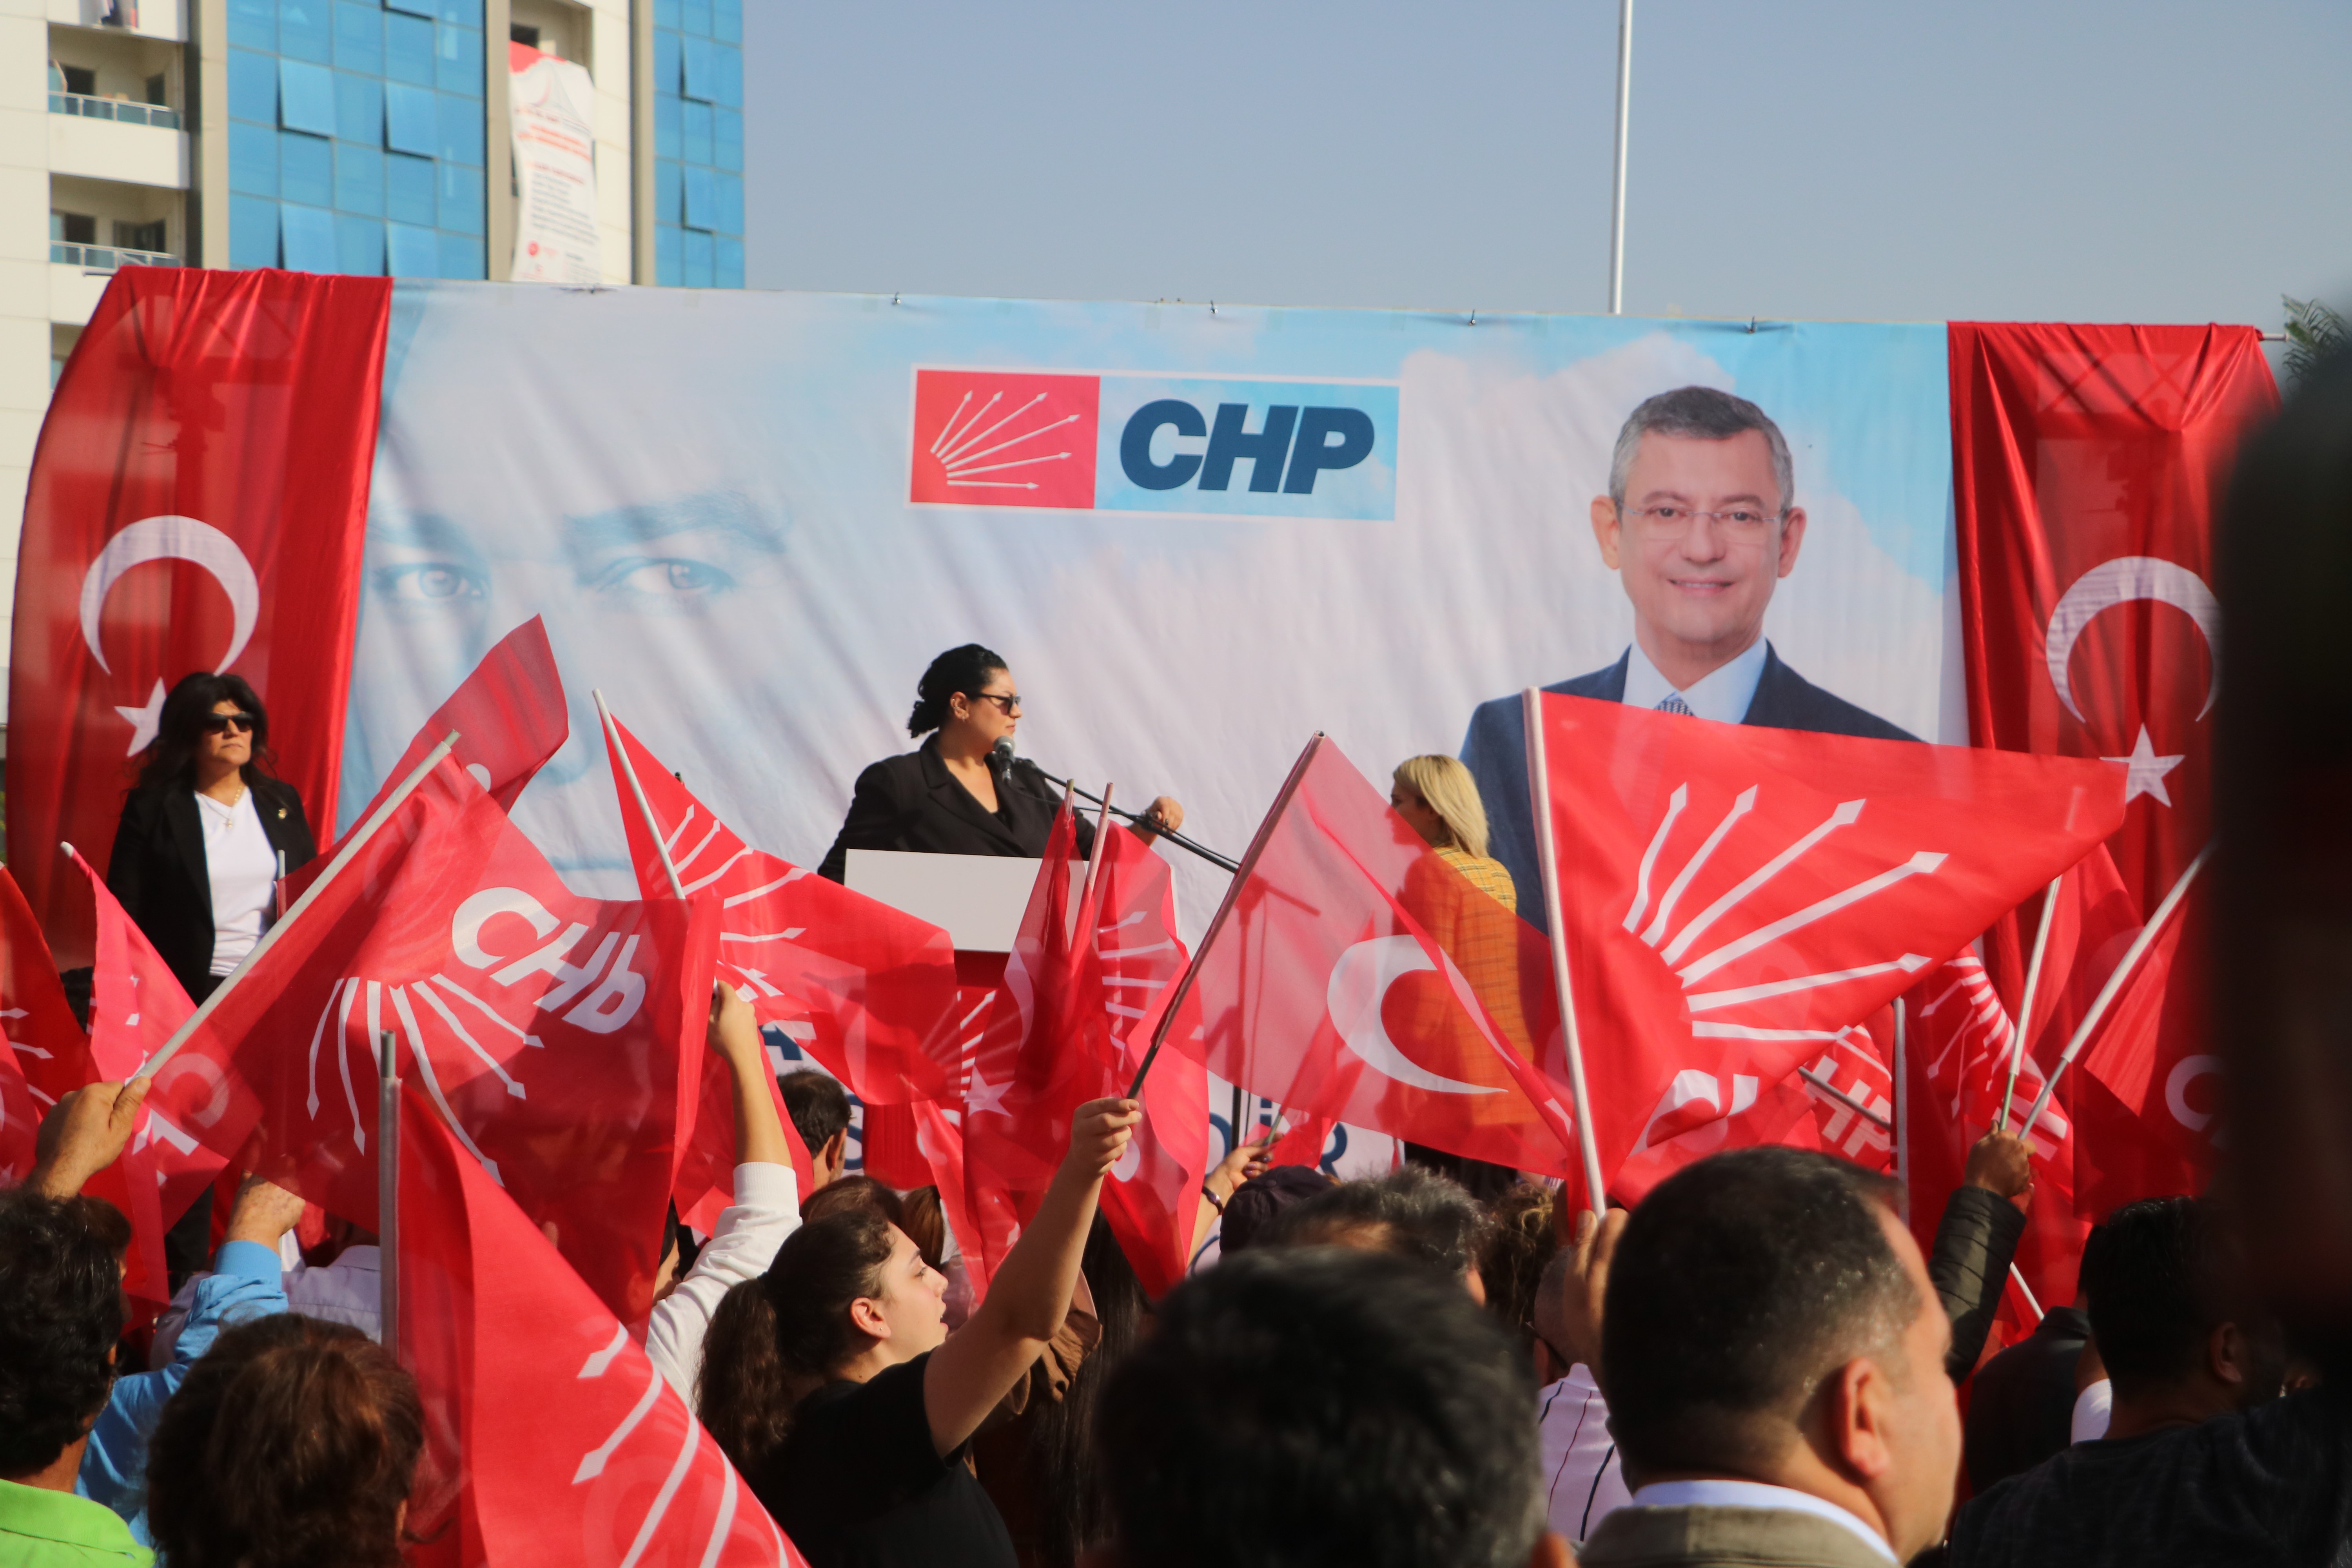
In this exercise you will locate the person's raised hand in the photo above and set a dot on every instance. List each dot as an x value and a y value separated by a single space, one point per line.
1099 1134
1245 1161
85 1132
1587 1285
2002 1163
734 1031
264 1211
1163 814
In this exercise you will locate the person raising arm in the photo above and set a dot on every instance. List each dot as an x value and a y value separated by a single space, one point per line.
834 1386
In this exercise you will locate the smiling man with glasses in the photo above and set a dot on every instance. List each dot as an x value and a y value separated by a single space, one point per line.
1700 522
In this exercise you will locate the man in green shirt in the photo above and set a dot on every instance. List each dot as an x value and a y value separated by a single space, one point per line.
60 1314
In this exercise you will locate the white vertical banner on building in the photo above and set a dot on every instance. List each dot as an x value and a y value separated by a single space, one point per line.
555 169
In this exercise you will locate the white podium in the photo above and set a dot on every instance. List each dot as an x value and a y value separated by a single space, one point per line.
978 900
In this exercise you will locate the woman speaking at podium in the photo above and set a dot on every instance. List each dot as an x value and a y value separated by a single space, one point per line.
958 794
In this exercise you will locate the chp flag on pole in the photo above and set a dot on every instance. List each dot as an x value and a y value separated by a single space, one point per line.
549 1437
560 1038
1352 973
1735 898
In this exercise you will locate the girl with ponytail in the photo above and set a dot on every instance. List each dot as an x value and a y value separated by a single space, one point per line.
834 1386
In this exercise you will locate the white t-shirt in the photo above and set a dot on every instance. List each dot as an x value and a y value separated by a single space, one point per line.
1583 1479
243 869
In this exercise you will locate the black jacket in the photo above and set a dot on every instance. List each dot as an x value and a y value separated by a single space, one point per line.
1496 750
2022 1410
1974 1243
157 871
913 803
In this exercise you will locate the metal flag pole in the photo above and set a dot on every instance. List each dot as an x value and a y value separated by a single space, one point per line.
1169 834
2025 1004
387 1189
2099 1004
636 790
344 857
1224 907
1624 127
1539 800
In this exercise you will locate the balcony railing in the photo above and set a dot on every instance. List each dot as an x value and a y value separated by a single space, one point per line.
106 257
114 108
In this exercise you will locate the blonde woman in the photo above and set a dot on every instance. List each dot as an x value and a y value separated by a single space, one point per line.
1467 905
1440 799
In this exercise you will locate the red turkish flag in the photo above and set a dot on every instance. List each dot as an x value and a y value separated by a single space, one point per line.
135 1006
866 990
2087 463
560 1036
20 1119
1354 975
509 715
197 502
1736 898
2123 1053
551 1438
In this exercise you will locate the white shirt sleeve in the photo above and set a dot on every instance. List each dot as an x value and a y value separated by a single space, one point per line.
766 1210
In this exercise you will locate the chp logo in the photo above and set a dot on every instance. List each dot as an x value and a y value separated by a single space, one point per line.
1197 445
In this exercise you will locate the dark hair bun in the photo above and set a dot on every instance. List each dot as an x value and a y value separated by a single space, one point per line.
964 669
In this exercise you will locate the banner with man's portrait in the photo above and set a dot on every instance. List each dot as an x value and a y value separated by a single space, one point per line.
1196 537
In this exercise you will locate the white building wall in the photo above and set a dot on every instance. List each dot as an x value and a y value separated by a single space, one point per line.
25 285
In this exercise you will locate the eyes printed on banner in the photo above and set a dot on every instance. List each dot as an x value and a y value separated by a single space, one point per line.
434 582
684 583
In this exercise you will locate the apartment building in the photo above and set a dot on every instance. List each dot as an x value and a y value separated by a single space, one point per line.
356 136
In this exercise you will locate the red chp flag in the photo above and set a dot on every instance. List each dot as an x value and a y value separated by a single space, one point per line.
1353 975
20 1119
549 1437
867 991
509 716
2087 463
560 1036
197 502
1733 898
135 1006
45 1040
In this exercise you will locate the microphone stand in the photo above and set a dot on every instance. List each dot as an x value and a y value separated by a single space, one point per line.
1169 834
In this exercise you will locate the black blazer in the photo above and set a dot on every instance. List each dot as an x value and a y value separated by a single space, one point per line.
157 871
913 803
1496 750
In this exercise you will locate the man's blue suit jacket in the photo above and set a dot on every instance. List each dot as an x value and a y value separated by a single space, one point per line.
1496 750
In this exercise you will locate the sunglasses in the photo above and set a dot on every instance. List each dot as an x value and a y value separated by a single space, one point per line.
220 723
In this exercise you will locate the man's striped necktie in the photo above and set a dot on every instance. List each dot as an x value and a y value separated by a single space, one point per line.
1674 703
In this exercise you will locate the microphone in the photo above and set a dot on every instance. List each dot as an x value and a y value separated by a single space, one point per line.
999 756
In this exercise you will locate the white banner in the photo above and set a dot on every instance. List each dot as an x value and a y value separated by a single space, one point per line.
553 107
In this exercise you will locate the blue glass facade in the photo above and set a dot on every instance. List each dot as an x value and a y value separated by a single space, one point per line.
699 143
356 136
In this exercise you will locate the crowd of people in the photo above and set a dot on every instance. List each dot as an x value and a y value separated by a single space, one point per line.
1440 1365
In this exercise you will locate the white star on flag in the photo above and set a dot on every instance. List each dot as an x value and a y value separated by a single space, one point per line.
144 721
2148 771
985 1096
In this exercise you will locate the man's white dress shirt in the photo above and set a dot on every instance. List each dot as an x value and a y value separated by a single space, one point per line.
1756 1494
766 1210
1583 1479
1722 694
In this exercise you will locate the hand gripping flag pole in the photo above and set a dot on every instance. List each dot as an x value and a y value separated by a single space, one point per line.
1539 798
1224 907
344 857
637 792
2024 1020
387 1189
2123 971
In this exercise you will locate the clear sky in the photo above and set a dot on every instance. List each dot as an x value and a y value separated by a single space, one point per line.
2160 161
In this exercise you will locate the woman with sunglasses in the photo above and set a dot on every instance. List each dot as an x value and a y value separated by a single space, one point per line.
206 832
955 795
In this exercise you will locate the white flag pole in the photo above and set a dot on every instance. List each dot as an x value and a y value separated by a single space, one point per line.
1539 801
344 857
1900 1133
2024 1020
387 1191
1624 128
2027 1291
2140 944
638 792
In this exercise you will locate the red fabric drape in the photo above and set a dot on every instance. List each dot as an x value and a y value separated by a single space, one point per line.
198 500
2087 466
